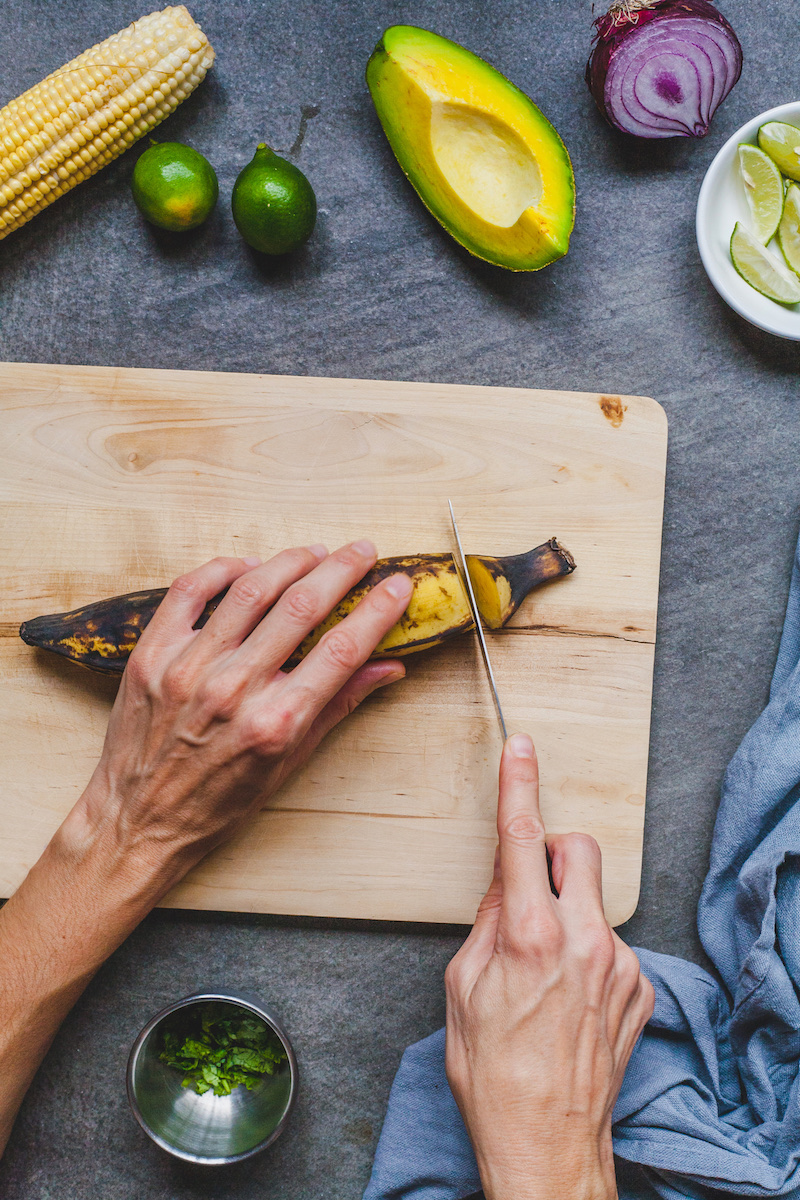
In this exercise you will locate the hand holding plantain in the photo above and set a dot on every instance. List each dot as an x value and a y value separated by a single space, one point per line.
206 725
204 728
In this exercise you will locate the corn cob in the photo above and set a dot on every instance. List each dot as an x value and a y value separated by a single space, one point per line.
84 115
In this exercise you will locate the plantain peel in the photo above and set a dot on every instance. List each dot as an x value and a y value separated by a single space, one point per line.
101 636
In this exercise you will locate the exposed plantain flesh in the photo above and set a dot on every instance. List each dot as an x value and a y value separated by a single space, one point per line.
501 584
102 635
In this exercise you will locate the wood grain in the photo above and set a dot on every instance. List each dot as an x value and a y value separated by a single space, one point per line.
112 480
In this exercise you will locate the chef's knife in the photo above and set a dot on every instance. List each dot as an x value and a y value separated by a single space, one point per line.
461 567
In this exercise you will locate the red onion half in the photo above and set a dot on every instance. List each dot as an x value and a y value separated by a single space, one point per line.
661 68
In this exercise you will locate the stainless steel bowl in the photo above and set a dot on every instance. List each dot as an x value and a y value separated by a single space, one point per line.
209 1129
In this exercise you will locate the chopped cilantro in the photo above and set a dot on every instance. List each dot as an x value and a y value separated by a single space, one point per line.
217 1049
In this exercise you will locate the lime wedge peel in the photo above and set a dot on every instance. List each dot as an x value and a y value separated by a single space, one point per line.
789 228
763 188
765 272
782 143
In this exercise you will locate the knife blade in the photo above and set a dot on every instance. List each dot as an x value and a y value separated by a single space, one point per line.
461 568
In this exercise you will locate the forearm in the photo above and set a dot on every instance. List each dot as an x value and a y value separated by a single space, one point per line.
75 907
206 726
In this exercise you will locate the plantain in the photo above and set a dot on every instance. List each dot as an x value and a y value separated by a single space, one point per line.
101 636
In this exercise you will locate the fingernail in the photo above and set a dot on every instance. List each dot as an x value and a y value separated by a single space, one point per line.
252 560
520 746
366 548
399 586
318 550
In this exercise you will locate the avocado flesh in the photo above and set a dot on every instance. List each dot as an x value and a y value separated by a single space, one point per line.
482 157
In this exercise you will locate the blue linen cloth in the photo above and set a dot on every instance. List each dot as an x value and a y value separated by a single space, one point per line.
710 1104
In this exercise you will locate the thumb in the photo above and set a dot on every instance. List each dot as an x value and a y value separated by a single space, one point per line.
479 946
367 679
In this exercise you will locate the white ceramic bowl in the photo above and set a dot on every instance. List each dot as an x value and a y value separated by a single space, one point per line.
720 205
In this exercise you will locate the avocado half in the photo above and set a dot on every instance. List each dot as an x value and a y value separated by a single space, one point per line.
483 158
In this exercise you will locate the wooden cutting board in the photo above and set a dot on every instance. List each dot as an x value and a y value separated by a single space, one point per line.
114 480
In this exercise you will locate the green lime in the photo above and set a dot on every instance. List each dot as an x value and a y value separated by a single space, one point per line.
764 271
789 228
273 204
763 187
782 144
174 186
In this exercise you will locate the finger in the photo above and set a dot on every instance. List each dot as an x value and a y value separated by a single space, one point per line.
306 603
577 870
616 973
477 949
646 1002
630 1009
252 595
190 593
635 1014
523 855
343 649
372 676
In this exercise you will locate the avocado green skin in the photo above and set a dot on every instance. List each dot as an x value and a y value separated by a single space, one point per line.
171 166
273 204
401 137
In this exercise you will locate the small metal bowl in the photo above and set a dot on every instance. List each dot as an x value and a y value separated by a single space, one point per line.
208 1129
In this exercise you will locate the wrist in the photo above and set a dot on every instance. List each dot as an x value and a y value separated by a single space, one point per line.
520 1185
88 855
76 905
572 1170
134 871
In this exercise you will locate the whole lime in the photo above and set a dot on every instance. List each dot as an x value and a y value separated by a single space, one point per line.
174 186
273 203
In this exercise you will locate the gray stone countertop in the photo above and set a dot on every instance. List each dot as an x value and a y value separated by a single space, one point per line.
382 292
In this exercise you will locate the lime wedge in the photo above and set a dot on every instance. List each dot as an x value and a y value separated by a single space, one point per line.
763 187
765 272
789 228
782 143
